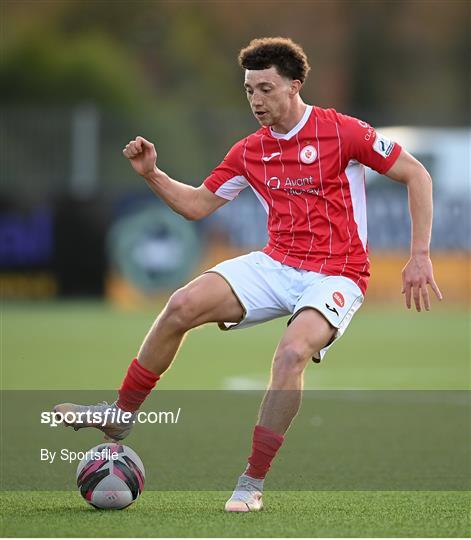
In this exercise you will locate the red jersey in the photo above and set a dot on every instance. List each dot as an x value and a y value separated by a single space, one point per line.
311 183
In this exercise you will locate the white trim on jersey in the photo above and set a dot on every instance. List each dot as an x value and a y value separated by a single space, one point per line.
355 175
325 198
297 128
292 231
339 176
299 152
291 211
271 208
310 232
232 187
307 205
263 202
280 157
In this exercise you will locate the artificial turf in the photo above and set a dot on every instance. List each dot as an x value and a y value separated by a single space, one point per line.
88 345
200 514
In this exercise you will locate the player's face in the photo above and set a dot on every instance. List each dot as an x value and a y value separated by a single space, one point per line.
269 94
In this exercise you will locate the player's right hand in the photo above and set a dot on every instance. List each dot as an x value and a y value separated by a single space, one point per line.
142 155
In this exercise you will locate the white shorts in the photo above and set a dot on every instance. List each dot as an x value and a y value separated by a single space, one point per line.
268 289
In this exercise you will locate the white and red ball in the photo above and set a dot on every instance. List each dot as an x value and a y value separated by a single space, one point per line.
110 476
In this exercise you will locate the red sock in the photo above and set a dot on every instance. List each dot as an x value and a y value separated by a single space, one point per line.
265 445
136 386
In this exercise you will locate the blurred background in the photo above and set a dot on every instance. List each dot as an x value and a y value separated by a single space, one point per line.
79 79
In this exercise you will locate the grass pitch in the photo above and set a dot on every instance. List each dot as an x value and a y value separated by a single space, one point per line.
79 345
287 514
72 345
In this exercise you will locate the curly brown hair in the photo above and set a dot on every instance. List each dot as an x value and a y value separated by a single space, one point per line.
287 56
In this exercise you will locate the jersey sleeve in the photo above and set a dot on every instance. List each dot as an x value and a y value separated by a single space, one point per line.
364 144
227 180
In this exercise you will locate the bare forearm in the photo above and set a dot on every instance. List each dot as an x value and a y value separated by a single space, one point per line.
421 211
178 196
188 201
418 272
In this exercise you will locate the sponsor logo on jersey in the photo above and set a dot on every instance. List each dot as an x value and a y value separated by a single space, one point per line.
308 154
274 182
294 186
338 298
382 145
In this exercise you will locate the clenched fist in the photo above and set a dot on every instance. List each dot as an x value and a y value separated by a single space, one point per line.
142 155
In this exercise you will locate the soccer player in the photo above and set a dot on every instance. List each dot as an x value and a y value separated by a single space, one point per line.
306 167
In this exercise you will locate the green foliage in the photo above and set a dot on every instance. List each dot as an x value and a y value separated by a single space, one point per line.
46 67
389 62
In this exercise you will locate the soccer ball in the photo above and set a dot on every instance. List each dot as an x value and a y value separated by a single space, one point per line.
110 476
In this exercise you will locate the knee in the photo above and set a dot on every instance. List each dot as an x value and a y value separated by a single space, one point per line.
290 359
181 310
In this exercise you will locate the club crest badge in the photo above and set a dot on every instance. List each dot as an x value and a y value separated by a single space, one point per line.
308 154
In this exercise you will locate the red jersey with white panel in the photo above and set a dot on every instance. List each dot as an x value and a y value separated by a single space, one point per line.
311 182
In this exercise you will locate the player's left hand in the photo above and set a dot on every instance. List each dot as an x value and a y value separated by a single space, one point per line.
416 275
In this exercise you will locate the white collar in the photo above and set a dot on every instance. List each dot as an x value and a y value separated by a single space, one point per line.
297 128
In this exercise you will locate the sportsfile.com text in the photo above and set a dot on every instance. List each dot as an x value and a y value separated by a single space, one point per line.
54 419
